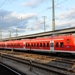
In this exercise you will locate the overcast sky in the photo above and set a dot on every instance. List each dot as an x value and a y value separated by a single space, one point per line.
27 16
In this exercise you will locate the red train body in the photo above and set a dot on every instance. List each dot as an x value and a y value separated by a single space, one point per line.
64 43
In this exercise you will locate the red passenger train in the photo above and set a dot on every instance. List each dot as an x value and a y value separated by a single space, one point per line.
64 43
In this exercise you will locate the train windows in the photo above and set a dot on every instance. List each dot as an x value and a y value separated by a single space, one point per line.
40 44
44 44
37 44
61 44
57 44
47 44
34 45
29 44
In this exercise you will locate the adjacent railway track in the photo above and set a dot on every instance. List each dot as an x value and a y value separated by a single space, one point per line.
42 65
5 70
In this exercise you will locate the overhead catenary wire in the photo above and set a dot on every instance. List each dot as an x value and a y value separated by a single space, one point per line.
48 9
51 6
2 3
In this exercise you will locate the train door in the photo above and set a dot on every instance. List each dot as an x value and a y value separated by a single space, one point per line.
51 45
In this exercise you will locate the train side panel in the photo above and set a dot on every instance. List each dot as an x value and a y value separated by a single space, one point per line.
47 44
19 45
9 44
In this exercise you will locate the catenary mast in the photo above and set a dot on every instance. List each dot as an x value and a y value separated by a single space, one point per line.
53 16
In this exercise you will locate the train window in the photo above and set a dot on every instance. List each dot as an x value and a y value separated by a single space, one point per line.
29 44
61 44
44 44
47 44
37 44
40 44
34 45
26 44
57 44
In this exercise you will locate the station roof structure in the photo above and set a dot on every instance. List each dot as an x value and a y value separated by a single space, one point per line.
43 34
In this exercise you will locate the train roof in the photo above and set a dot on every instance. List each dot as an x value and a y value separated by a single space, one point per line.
54 37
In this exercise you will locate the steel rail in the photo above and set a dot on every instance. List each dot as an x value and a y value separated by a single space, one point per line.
51 68
10 69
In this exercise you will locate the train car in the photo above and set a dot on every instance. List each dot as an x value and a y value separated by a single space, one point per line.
54 44
65 43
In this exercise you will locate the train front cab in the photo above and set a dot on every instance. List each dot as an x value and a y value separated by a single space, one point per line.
64 44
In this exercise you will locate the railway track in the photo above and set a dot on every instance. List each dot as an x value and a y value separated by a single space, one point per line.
5 70
48 65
